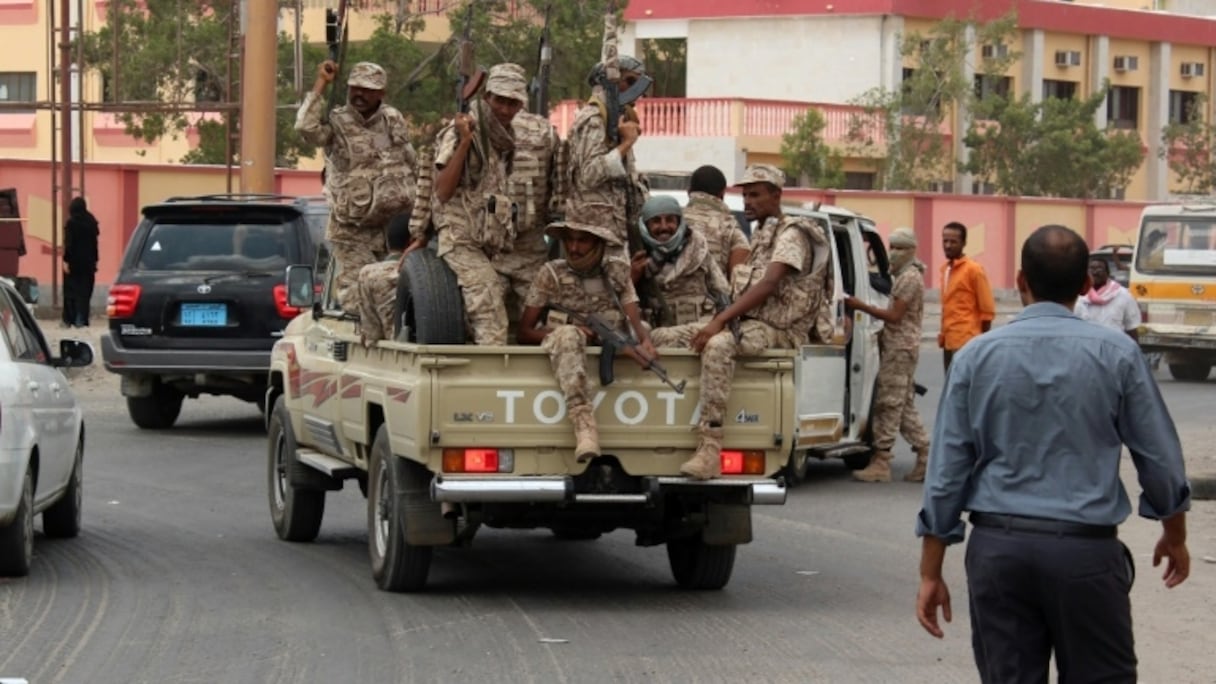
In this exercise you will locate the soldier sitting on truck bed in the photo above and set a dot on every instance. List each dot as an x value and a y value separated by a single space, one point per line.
676 271
585 282
778 297
378 283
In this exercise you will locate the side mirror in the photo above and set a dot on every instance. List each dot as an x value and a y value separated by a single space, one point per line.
300 292
74 354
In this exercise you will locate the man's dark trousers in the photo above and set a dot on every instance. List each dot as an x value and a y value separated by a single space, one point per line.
1032 593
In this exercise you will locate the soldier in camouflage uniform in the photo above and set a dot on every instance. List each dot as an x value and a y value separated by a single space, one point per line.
603 170
378 284
777 295
534 188
676 270
587 281
369 168
899 344
474 214
708 215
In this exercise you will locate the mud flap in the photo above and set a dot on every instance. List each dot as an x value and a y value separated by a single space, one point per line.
423 518
727 524
137 385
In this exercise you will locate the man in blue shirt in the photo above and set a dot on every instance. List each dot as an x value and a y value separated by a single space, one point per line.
1028 438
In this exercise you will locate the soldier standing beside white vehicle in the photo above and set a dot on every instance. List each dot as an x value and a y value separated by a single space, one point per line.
899 341
369 167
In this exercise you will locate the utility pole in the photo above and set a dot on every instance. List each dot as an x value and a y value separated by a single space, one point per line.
65 133
258 96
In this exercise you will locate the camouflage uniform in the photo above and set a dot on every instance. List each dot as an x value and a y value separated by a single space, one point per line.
369 175
894 408
685 290
377 298
531 186
709 216
599 174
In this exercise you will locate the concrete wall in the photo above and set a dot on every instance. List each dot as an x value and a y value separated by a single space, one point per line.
998 225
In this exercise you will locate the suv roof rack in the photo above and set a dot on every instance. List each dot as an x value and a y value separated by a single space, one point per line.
229 197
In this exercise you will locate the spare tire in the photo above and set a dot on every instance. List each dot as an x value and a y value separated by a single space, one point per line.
400 321
433 307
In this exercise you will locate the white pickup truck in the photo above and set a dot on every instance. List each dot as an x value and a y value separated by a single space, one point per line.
444 437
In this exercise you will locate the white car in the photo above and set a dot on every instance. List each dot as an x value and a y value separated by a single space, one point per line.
41 435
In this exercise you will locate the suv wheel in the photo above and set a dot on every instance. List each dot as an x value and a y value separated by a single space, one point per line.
158 410
17 537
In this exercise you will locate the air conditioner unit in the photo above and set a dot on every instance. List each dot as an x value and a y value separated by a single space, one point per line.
1127 63
1067 58
991 51
1190 69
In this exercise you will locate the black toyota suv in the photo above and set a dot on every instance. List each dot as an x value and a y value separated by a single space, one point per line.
199 299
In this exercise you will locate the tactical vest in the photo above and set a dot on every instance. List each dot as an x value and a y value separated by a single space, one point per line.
379 183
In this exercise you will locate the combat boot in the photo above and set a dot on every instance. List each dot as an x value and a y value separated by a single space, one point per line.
586 434
879 469
917 474
706 463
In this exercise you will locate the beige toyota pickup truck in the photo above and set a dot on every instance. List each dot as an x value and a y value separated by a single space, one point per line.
444 438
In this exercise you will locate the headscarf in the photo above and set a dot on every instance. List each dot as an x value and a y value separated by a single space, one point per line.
662 205
903 248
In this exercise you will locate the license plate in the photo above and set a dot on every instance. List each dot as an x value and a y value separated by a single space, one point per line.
204 315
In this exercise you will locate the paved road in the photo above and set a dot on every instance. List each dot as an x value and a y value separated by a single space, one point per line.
178 577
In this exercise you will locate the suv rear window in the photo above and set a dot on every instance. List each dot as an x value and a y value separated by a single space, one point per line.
214 247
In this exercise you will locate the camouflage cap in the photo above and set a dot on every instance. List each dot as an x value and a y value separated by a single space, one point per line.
508 80
594 218
367 75
763 173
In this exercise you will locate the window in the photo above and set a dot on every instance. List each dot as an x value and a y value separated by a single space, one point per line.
917 103
1061 90
17 328
215 247
16 86
1183 107
1169 245
987 86
1123 107
857 180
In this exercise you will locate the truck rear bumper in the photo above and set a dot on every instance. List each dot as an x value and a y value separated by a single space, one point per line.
560 489
124 360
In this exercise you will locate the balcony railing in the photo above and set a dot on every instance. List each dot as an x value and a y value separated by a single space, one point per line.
732 118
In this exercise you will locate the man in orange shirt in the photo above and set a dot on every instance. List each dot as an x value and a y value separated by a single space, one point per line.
967 304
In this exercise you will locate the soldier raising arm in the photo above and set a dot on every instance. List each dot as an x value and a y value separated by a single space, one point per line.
586 282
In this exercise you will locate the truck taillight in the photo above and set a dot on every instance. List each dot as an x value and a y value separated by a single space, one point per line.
478 460
742 462
1143 312
122 300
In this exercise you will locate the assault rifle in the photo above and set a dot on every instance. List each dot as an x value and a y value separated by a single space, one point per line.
471 76
920 389
611 342
544 62
335 39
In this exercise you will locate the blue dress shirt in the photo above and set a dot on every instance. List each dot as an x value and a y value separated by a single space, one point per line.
1032 422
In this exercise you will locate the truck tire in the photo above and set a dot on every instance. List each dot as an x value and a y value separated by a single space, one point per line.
434 308
17 538
396 565
1190 372
575 534
157 411
697 565
62 519
295 512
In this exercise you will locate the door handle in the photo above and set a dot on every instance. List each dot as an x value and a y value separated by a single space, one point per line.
34 387
55 388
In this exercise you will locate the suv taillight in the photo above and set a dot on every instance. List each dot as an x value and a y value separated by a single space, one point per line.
122 300
280 303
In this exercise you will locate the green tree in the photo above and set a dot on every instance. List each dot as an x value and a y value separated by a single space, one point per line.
1188 149
807 156
1051 148
906 132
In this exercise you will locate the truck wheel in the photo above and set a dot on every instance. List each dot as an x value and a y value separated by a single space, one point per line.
62 519
17 538
157 411
434 308
295 512
575 534
1190 372
396 565
697 565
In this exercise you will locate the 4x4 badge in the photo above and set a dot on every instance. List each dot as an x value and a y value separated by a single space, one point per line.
204 289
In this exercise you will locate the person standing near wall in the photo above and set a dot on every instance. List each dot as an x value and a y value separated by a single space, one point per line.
967 304
79 263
